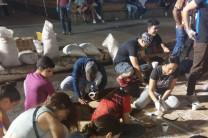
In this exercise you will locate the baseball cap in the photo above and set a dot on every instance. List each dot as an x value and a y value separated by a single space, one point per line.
91 70
147 37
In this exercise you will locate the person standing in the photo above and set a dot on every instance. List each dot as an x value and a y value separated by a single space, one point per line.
180 31
63 6
200 62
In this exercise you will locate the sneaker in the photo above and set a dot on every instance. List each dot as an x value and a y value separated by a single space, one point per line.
99 17
140 17
103 21
121 82
65 33
94 22
205 87
166 13
192 99
129 80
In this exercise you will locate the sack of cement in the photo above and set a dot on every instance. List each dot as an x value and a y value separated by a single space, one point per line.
112 45
50 44
28 57
90 49
8 49
74 50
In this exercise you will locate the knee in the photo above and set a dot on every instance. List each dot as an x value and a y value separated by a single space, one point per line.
173 102
139 105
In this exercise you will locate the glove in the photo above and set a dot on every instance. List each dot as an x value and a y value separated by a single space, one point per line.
157 105
57 9
68 6
191 34
163 105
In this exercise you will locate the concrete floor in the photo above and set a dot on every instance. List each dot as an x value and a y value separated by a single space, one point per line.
187 122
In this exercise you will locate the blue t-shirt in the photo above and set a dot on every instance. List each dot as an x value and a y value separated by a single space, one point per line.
202 21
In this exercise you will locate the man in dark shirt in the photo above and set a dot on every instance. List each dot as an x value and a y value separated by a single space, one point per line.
126 62
200 62
153 51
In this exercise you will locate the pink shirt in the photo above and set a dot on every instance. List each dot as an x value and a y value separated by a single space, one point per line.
37 88
63 3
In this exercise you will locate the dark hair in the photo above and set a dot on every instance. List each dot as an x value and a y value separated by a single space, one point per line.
8 90
171 59
102 126
61 101
152 21
45 62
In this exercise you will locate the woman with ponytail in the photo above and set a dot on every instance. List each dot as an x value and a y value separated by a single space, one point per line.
9 98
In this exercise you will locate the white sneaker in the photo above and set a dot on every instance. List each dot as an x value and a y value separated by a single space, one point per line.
94 22
205 87
103 21
166 13
192 99
99 17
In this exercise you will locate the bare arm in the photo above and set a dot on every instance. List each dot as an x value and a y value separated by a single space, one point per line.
192 5
135 64
126 119
176 18
47 121
168 92
145 57
151 90
165 49
57 2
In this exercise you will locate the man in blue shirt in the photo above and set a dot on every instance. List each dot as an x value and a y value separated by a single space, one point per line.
200 60
85 71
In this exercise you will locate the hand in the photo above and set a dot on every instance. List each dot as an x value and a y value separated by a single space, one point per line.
95 97
191 33
82 101
57 9
163 105
166 50
68 6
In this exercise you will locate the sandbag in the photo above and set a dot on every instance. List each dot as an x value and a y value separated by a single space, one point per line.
8 49
74 50
1 68
28 57
90 49
50 44
112 45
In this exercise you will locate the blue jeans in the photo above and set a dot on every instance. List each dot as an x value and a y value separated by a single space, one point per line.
67 84
180 39
132 8
64 12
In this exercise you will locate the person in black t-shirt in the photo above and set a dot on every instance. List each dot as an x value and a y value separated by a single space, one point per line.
157 49
161 84
126 62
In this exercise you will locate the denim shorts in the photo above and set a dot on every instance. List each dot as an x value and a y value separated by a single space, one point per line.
123 67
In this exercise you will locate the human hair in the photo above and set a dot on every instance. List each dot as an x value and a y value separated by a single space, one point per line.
8 90
171 59
45 62
61 101
152 21
102 126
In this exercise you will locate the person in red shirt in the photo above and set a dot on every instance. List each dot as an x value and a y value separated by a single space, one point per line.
118 103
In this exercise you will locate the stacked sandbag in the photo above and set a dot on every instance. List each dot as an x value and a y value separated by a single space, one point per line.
74 50
8 49
28 57
112 45
90 49
50 44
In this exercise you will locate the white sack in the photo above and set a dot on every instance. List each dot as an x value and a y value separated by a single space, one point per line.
8 49
38 46
50 44
28 57
112 45
90 49
74 50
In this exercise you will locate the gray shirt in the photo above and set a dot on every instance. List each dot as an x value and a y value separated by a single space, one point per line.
22 126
